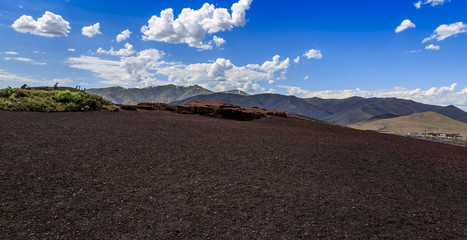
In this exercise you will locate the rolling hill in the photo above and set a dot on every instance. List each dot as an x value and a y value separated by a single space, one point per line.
269 101
162 94
160 175
342 111
356 109
427 122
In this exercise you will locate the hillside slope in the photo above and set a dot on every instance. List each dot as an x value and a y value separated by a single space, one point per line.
341 111
161 175
268 101
356 109
427 122
162 94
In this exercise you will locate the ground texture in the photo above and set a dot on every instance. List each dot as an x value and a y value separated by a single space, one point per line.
162 175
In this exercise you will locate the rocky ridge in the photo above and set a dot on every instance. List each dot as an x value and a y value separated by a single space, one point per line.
211 109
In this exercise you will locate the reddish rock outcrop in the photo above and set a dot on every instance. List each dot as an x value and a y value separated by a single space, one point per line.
212 109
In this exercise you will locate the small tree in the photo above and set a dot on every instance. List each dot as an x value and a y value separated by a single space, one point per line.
56 85
25 86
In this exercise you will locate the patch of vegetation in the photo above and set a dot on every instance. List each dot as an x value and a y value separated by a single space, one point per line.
45 99
68 96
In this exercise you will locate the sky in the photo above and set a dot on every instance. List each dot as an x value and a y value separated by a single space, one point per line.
411 49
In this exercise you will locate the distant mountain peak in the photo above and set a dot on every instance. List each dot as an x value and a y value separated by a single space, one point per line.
237 91
162 94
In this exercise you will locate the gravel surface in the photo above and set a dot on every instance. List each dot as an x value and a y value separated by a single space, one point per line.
162 175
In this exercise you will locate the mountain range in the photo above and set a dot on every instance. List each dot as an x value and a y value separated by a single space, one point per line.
341 111
161 94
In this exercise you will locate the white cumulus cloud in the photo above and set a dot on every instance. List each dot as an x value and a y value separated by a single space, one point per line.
432 47
306 77
49 25
405 25
191 26
124 35
147 67
431 2
127 51
444 31
218 41
71 49
313 53
111 71
92 30
297 60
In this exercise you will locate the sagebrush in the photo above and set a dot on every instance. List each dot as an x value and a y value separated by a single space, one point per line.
17 99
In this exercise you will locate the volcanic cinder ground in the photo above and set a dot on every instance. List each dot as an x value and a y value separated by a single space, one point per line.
162 175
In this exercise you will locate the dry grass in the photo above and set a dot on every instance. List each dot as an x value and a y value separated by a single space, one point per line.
427 122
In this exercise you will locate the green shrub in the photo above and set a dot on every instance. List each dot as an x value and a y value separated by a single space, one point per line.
68 96
48 100
20 93
6 93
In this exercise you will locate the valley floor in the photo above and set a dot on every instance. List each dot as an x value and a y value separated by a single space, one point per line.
161 175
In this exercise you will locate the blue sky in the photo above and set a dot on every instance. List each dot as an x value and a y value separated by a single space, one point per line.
387 48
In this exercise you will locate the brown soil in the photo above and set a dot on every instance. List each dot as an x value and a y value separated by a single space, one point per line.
161 175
